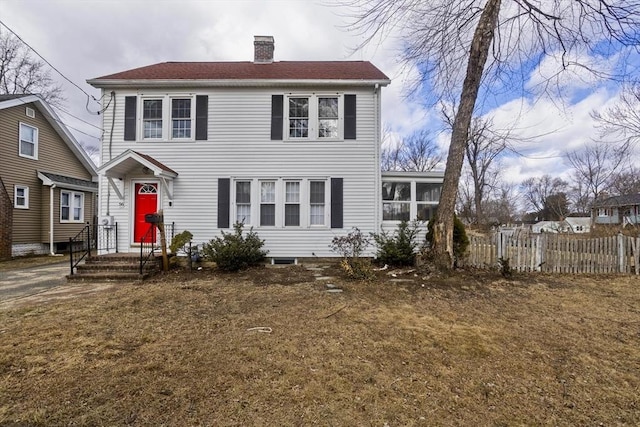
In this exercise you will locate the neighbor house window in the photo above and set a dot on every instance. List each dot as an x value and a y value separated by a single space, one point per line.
292 203
152 118
71 206
28 141
316 203
181 118
243 202
21 197
268 203
396 201
314 117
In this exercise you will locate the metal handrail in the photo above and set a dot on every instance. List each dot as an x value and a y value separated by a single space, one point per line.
150 236
86 250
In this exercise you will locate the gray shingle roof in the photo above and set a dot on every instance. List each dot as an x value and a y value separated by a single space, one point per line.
624 200
63 181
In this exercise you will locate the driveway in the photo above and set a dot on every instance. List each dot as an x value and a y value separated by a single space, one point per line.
38 284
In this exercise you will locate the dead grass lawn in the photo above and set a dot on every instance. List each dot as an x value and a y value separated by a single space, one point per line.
470 349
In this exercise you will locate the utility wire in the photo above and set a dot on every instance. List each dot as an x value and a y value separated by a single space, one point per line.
50 65
76 117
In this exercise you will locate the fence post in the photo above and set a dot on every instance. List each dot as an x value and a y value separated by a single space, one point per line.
621 254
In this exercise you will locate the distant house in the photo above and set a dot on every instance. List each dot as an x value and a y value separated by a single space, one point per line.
617 210
572 225
48 184
290 148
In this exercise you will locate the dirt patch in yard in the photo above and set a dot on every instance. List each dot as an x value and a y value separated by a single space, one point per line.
272 347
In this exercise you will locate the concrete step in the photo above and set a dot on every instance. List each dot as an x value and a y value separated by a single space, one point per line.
108 276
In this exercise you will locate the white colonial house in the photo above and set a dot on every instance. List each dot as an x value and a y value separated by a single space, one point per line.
289 148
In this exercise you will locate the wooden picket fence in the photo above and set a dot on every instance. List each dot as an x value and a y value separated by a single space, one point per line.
556 253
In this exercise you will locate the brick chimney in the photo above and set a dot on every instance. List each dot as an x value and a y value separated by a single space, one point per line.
263 49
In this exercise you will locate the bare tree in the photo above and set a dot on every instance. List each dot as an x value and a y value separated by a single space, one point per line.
418 153
491 43
595 165
622 121
626 181
20 73
539 193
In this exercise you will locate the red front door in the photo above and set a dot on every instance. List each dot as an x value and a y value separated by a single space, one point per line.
146 202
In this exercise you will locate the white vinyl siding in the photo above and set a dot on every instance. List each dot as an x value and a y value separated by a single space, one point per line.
239 148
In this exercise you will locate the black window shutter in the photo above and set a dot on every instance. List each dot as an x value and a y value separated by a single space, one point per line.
336 203
202 117
349 117
277 116
224 192
130 118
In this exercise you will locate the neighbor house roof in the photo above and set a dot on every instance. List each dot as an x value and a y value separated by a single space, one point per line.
234 73
9 101
624 200
63 181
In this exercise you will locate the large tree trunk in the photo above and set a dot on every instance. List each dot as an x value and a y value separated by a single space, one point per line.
443 222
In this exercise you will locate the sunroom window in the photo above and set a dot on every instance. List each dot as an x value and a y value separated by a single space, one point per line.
396 201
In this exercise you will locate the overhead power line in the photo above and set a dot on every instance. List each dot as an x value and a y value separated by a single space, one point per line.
50 65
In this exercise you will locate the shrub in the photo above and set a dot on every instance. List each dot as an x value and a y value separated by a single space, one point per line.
351 247
235 251
398 248
460 238
505 267
180 240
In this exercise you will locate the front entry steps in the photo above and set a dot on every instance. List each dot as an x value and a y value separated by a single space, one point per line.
115 267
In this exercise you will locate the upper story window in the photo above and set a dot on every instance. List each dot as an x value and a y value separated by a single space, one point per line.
71 206
21 197
28 141
314 117
181 118
152 118
168 118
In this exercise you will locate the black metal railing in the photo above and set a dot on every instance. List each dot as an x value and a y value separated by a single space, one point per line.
106 237
81 245
148 243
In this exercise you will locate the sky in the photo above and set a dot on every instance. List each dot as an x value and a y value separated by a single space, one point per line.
85 39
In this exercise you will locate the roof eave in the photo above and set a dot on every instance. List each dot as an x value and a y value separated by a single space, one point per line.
145 83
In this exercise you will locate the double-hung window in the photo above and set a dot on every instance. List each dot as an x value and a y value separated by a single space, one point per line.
243 202
292 203
152 118
396 201
181 118
314 117
71 206
21 197
28 141
317 203
267 203
168 118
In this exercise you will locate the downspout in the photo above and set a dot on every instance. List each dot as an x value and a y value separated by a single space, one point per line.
378 185
51 194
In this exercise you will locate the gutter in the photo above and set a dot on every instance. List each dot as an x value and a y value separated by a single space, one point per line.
163 83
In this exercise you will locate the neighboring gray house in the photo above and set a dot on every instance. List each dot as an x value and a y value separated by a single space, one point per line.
617 210
289 148
48 182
